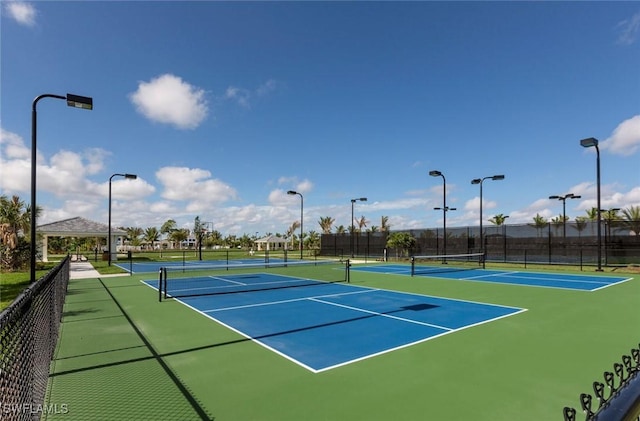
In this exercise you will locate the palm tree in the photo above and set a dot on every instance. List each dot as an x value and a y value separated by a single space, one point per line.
179 235
291 232
326 222
133 235
15 223
558 221
581 224
151 235
312 240
401 242
245 241
592 215
362 223
539 223
12 213
168 227
214 238
498 220
631 219
384 224
341 230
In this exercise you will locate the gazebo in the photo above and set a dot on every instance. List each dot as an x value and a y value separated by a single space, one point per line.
271 242
77 227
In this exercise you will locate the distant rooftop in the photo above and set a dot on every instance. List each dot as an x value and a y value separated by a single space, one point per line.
77 226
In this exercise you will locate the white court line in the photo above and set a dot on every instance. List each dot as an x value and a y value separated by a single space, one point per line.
375 313
447 331
292 300
541 278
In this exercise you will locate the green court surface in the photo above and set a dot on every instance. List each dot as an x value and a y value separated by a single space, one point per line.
123 355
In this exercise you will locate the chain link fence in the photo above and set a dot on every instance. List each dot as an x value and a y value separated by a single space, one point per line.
28 337
550 243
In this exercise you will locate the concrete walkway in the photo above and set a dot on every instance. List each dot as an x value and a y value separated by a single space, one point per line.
85 270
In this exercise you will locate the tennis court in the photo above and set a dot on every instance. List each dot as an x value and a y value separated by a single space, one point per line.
511 277
380 347
320 325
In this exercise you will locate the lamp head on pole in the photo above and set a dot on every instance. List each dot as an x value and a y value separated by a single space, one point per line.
589 142
292 192
566 196
476 181
435 173
131 176
77 101
498 177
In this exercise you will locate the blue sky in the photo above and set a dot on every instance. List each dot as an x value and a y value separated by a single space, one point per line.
221 107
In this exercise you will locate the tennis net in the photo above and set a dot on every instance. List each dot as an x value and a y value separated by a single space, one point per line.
246 278
425 265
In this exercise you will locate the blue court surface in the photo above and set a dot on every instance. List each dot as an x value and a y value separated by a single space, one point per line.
537 279
145 267
321 326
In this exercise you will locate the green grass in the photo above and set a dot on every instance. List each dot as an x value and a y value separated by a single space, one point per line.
122 354
13 283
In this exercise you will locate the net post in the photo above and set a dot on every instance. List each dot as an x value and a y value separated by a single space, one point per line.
484 259
347 269
160 285
413 265
164 277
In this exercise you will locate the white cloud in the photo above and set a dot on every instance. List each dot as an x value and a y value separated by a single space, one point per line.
303 186
625 139
628 29
266 88
22 12
168 99
279 197
126 189
95 159
239 95
245 97
195 186
13 146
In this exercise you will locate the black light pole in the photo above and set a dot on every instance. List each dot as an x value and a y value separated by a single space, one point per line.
75 101
444 210
480 181
587 143
444 207
129 176
301 216
353 228
564 210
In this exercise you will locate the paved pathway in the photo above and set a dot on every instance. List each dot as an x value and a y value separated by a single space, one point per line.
84 270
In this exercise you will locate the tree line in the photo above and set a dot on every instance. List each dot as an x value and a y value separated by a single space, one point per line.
15 221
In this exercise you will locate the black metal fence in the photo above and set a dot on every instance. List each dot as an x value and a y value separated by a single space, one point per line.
573 243
28 337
